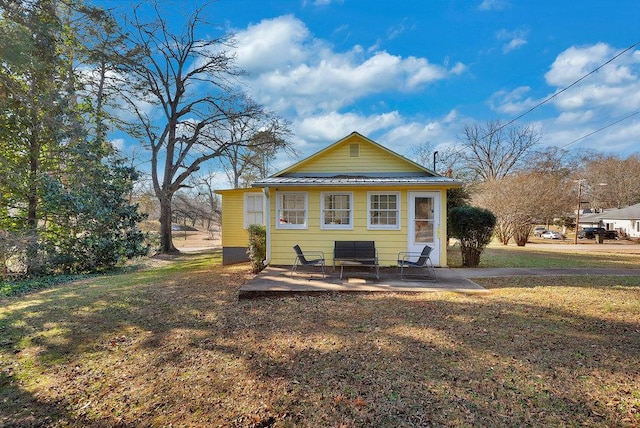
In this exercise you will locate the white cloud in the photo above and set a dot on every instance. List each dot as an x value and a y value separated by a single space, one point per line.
273 44
118 144
515 39
396 30
513 45
575 117
513 102
333 126
597 101
451 116
391 129
569 128
293 72
610 92
616 85
323 2
458 69
493 5
575 62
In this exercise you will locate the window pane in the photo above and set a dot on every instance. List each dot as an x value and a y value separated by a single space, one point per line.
292 209
253 209
384 210
423 220
336 209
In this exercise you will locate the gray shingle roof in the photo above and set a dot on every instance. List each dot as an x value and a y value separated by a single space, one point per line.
629 213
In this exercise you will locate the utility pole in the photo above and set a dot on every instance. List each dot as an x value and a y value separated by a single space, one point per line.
575 238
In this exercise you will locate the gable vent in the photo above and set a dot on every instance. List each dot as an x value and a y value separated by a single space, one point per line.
354 150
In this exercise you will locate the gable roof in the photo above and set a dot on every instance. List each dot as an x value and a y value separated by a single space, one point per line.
329 167
629 213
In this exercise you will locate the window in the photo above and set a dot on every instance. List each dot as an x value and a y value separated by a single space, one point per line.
253 209
384 210
292 210
336 210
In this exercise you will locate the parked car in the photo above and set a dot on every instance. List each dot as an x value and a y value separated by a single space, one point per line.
539 230
591 232
550 234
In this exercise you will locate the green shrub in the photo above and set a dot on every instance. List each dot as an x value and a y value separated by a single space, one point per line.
257 246
473 226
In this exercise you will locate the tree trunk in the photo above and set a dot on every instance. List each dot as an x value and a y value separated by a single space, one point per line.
521 237
32 197
470 257
166 238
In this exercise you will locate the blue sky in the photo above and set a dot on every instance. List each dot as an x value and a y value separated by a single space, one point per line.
409 72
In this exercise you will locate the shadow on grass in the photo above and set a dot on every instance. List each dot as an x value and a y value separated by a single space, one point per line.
20 409
530 257
175 346
610 282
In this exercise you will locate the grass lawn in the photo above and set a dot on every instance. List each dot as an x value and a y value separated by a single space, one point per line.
171 345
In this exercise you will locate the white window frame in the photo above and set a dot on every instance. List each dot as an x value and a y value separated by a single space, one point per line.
282 225
322 212
398 210
246 211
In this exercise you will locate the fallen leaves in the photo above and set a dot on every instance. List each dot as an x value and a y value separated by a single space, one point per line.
186 352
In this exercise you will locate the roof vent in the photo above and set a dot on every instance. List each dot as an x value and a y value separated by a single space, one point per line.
354 150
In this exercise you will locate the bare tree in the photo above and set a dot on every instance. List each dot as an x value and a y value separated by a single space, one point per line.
189 83
551 171
447 160
521 199
253 142
424 154
493 151
612 181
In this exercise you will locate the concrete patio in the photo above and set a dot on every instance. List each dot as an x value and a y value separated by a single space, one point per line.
276 281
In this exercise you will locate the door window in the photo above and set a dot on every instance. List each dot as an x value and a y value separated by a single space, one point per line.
423 218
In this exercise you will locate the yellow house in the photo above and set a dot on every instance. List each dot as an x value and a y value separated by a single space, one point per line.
353 190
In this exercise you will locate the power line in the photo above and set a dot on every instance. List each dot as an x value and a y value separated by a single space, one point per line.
546 100
600 129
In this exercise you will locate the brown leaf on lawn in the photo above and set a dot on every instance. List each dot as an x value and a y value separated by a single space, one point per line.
359 402
174 346
339 399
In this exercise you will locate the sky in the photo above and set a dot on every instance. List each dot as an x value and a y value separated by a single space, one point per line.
405 73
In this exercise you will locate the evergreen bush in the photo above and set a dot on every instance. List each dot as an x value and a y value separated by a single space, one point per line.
257 246
473 226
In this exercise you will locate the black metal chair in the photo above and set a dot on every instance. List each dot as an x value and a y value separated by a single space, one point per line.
422 264
301 260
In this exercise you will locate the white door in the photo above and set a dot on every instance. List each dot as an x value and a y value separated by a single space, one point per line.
424 223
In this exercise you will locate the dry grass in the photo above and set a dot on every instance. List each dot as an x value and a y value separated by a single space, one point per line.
173 346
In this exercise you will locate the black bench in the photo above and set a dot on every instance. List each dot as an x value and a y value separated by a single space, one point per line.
356 253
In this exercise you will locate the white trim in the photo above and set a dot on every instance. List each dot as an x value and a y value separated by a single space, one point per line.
384 226
324 226
245 210
267 204
434 240
281 224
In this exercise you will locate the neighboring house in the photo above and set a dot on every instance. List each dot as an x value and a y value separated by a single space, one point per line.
354 189
589 219
625 220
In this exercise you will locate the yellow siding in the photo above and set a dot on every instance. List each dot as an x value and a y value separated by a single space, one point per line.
370 159
336 159
388 242
233 232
